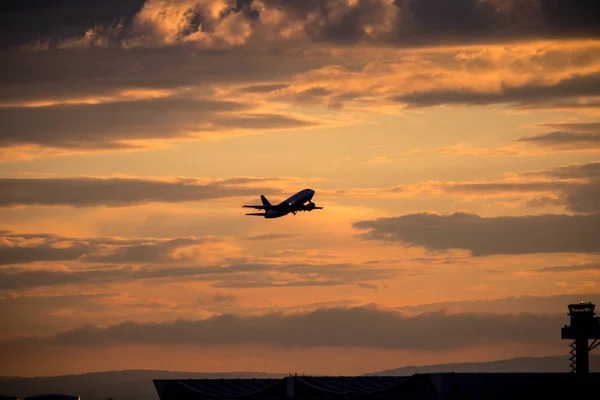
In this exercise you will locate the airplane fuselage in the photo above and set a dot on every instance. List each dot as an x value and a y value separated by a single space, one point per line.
292 204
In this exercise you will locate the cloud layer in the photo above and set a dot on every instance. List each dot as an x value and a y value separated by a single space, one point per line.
121 192
32 261
123 123
487 236
337 327
235 22
233 276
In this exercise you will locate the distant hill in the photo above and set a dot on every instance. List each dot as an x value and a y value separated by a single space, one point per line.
137 385
521 364
118 385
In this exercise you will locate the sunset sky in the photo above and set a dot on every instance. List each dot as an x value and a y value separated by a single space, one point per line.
454 146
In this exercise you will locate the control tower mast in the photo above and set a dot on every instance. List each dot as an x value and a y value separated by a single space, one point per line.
584 326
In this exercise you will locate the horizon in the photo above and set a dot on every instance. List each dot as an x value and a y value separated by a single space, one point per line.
454 148
592 356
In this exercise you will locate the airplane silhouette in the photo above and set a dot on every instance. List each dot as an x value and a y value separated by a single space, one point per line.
292 205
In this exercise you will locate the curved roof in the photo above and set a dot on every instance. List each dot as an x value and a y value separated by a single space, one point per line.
292 386
53 397
228 387
343 385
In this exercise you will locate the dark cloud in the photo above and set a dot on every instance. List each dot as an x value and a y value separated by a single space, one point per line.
576 86
368 285
488 236
513 305
339 327
584 199
107 260
570 268
271 284
25 254
224 298
101 125
71 73
23 21
263 88
21 248
319 275
108 125
272 236
565 140
312 275
236 275
591 127
491 187
115 192
573 171
544 200
145 252
16 278
580 197
68 74
408 23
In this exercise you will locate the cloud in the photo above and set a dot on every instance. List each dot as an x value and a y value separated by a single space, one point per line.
34 20
79 75
18 248
584 199
488 236
263 88
572 171
525 95
337 327
565 140
591 127
244 23
513 305
121 192
573 186
272 236
569 268
64 100
124 124
108 260
238 275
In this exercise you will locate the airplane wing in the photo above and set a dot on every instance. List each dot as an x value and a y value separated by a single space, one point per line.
262 207
257 214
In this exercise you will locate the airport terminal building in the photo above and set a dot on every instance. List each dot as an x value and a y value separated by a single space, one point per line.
442 386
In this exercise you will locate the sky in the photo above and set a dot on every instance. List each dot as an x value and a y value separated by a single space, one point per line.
453 145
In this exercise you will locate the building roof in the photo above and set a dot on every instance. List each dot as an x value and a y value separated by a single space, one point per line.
324 387
418 386
52 397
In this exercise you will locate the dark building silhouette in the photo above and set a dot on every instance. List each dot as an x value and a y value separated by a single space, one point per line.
584 326
442 386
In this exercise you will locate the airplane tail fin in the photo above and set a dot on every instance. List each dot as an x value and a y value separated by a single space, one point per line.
264 200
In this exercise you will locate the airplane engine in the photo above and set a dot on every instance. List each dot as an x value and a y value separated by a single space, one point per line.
310 206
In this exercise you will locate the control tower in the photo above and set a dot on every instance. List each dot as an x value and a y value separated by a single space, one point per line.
584 326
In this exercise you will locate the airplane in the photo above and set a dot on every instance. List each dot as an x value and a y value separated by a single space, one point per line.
292 205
